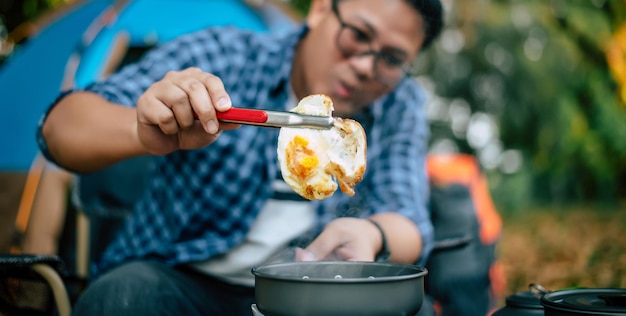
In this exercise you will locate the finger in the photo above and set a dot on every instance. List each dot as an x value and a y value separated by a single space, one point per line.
198 100
175 99
304 255
324 245
152 111
205 105
172 91
196 136
217 92
229 126
353 254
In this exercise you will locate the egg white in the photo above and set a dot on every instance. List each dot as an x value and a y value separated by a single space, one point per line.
340 153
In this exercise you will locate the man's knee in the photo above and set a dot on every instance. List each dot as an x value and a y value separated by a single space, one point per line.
132 288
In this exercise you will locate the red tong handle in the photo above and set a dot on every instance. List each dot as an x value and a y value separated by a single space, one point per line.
241 115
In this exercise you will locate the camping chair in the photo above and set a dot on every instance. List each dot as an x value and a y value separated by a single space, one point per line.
36 284
32 285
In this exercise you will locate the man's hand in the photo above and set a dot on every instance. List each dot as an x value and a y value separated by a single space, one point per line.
345 238
165 112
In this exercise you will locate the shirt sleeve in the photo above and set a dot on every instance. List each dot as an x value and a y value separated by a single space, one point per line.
199 49
41 141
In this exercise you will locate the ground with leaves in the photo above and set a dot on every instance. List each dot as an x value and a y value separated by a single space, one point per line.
564 248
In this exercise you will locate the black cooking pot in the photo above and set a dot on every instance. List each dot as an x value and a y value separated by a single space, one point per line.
526 303
339 288
521 304
585 302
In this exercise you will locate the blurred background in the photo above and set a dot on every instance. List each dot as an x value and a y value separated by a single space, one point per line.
536 89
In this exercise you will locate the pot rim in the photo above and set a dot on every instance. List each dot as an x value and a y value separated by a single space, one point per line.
418 271
563 300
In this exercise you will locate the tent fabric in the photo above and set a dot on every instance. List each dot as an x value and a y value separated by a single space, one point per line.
32 77
78 41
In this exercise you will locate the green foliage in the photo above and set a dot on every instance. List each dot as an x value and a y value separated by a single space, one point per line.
301 6
549 88
33 8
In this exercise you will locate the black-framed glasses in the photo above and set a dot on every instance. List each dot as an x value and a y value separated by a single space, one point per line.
389 68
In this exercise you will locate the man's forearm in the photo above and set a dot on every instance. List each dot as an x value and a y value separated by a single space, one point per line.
85 133
403 238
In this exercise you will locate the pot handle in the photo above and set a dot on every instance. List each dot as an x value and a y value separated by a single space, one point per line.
537 290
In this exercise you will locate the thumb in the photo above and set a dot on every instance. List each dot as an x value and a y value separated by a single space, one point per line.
304 255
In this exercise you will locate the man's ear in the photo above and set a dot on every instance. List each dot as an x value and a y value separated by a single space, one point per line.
318 10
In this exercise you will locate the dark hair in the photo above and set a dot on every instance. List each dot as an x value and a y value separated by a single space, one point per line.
432 14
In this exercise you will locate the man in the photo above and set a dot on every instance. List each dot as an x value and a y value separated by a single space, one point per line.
206 207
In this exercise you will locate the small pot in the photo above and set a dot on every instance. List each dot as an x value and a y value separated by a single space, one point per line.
585 302
521 304
339 288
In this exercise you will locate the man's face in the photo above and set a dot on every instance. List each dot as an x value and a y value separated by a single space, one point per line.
358 50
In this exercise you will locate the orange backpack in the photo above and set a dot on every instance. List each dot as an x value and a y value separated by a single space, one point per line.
465 276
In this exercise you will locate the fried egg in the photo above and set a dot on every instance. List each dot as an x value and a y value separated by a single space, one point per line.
314 162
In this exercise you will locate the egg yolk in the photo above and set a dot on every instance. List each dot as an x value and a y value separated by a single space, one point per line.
300 141
302 160
308 162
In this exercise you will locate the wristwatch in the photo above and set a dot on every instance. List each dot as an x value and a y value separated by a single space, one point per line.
383 255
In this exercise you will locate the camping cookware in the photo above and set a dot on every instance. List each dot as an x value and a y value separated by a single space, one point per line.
526 303
521 304
274 118
585 302
339 288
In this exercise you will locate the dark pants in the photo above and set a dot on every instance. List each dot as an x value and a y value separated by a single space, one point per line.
150 288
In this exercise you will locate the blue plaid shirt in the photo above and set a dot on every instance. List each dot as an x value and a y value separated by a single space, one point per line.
201 203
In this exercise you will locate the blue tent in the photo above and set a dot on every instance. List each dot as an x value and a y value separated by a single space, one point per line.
32 76
72 50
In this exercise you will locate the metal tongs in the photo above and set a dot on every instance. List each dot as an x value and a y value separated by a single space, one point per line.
274 118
